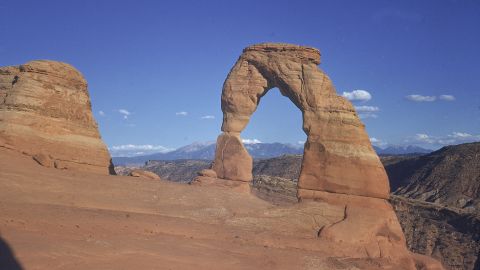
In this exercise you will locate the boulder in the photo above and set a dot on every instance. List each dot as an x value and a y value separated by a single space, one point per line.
144 174
45 111
208 173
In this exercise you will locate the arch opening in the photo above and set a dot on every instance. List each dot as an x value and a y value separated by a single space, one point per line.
275 139
275 120
338 156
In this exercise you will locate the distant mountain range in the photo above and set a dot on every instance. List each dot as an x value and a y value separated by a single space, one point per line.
401 150
206 151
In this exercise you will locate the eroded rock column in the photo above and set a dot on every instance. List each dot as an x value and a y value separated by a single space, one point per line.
232 160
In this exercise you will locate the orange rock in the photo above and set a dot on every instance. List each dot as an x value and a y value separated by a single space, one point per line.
144 174
338 155
238 186
45 108
44 160
340 167
232 160
368 228
207 173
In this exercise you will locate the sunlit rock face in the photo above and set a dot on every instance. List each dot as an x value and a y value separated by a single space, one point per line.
338 155
45 112
340 169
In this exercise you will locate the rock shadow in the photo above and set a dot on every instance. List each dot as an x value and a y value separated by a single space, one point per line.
7 257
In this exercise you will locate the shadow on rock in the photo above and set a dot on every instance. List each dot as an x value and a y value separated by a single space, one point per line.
7 258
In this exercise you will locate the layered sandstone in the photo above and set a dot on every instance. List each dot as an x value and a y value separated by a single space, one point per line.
338 155
45 112
90 221
339 168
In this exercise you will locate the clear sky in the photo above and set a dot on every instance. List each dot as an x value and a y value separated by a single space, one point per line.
155 68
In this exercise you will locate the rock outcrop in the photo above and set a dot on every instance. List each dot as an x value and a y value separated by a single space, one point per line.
339 168
438 203
144 174
338 156
449 176
448 234
45 112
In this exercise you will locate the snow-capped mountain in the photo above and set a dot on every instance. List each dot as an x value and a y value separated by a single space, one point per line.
258 150
206 150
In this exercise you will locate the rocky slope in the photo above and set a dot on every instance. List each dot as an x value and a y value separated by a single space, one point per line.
438 203
45 112
449 176
449 234
80 220
401 150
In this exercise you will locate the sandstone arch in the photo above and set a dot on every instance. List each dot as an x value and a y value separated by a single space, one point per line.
338 156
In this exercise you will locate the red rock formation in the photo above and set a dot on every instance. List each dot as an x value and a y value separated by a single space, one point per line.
338 155
339 168
45 112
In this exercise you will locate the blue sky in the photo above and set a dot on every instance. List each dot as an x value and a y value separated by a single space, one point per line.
155 68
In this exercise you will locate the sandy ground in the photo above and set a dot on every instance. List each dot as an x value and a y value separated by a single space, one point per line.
54 219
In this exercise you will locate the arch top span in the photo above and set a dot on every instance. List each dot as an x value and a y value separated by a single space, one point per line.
296 52
338 156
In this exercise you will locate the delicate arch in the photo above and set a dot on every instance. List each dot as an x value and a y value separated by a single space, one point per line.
338 156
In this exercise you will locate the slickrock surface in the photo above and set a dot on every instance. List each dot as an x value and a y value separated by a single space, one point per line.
340 167
338 155
45 112
451 235
80 220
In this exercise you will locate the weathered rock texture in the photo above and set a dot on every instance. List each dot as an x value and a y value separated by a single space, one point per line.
339 168
45 112
102 222
338 155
